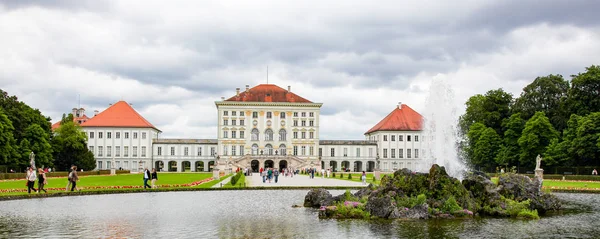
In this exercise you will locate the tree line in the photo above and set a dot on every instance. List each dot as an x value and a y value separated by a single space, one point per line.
552 117
24 130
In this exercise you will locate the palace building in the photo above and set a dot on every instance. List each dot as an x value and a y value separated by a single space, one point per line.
259 127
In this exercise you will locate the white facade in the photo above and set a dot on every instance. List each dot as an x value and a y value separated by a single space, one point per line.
353 155
131 148
398 149
177 155
268 128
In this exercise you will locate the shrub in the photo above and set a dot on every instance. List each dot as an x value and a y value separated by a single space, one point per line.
333 174
235 178
349 176
374 178
341 175
528 214
513 208
450 205
410 202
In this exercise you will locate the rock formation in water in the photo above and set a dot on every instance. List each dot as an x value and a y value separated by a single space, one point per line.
407 194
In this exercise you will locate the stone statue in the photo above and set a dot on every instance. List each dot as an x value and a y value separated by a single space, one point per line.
32 159
538 162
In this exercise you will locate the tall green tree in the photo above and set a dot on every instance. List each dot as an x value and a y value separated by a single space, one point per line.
547 94
486 148
510 150
585 144
584 95
537 135
490 109
8 147
39 143
70 147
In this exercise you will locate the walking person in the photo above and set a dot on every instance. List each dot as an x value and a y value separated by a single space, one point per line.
276 174
322 173
364 178
69 177
154 178
147 177
42 181
31 180
74 179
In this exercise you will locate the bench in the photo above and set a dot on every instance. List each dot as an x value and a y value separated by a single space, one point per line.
529 172
568 173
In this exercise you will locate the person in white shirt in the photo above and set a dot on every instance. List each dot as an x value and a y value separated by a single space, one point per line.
31 177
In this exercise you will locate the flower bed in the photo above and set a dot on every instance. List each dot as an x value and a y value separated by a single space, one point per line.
16 190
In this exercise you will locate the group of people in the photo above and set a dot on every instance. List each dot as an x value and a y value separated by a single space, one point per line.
268 174
150 176
31 177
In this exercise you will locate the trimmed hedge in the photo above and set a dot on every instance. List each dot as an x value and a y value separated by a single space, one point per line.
236 177
560 177
61 174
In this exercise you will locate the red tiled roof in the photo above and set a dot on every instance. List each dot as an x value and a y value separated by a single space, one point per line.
400 119
83 118
121 114
268 93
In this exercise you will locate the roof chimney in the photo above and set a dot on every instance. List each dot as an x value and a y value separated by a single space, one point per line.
400 105
74 112
289 88
95 112
247 88
237 91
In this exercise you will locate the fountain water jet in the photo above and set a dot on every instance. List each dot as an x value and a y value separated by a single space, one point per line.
440 131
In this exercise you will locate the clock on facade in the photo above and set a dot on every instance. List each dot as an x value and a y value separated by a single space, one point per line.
255 122
282 123
268 123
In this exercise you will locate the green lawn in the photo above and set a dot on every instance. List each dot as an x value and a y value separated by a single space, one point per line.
115 180
553 183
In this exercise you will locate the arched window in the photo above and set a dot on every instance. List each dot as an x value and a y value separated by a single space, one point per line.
282 135
255 134
268 149
268 135
255 149
282 151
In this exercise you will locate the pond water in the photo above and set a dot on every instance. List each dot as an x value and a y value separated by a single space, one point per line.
261 214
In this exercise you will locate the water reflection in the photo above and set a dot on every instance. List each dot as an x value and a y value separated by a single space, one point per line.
260 214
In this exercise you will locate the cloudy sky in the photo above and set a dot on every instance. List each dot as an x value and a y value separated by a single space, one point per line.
358 58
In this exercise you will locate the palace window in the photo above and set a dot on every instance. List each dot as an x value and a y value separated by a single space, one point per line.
241 134
357 152
233 122
282 115
91 135
255 149
401 153
384 153
186 151
268 149
233 150
311 150
159 151
295 114
92 150
213 151
332 152
268 135
233 113
100 149
295 135
408 138
135 151
255 115
282 135
135 134
118 151
126 135
254 134
304 123
303 114
407 153
225 134
143 135
345 152
416 138
118 135
393 153
311 123
241 113
242 122
269 115
125 151
199 151
320 152
282 150
233 134
295 124
311 114
225 122
303 152
393 138
225 113
304 135
99 135
385 138
416 153
295 150
225 149
311 135
241 149
108 151
172 150
108 135
400 137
